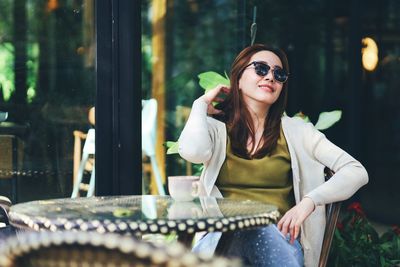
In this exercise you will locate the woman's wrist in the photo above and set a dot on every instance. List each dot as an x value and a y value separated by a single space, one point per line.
205 99
311 201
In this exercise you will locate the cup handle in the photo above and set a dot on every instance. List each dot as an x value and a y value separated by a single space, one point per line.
196 189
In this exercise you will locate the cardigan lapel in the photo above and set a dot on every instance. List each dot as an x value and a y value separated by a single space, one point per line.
217 131
293 157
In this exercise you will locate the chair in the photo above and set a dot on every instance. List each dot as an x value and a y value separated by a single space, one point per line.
5 204
3 116
11 160
149 127
94 249
332 215
86 162
11 150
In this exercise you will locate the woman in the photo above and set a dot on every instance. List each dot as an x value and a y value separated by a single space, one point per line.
251 150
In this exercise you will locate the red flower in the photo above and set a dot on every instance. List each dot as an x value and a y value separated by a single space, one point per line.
339 226
396 229
356 207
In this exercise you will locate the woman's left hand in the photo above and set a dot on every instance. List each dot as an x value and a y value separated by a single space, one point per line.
293 218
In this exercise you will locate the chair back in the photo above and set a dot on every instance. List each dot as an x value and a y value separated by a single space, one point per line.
149 132
5 204
149 126
88 149
90 143
332 215
84 158
3 116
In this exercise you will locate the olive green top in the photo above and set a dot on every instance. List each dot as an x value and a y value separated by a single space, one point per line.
268 179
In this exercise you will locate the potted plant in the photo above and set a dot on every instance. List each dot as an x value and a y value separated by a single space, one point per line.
357 243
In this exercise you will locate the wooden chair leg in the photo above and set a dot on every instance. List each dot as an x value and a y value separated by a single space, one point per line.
332 215
90 192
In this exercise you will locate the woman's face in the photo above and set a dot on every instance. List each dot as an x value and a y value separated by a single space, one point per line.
256 89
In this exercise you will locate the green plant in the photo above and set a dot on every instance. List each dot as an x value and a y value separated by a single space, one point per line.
356 242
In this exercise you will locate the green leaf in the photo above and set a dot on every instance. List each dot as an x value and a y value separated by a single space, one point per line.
172 147
197 169
327 119
382 261
210 79
226 75
121 213
170 238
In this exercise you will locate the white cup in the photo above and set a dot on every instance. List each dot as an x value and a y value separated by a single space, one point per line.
183 188
184 210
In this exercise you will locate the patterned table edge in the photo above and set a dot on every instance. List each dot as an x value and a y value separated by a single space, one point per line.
189 226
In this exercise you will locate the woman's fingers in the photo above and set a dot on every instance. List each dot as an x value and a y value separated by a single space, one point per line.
211 110
291 231
225 89
212 94
289 225
293 218
294 230
218 99
284 224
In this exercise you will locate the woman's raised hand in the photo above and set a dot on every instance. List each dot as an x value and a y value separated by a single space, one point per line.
214 95
293 218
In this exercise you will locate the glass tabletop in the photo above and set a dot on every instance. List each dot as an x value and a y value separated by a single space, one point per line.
143 214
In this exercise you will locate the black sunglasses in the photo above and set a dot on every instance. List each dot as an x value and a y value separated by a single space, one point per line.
262 69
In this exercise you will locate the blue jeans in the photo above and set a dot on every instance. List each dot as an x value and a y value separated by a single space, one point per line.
262 247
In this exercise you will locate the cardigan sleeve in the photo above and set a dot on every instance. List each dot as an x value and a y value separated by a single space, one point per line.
349 175
195 143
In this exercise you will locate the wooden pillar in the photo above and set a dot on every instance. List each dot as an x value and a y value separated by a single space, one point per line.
158 81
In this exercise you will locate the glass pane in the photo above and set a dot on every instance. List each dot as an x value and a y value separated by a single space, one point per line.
200 36
323 40
47 80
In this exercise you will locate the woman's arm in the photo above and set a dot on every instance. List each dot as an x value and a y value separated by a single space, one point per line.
349 175
195 143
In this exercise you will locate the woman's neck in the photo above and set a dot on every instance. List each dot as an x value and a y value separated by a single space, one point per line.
258 114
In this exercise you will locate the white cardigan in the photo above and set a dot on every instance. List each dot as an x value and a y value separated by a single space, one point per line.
203 140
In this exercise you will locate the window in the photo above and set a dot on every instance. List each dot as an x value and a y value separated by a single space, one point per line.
47 80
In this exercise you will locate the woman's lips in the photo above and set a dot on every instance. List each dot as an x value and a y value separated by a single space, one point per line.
267 88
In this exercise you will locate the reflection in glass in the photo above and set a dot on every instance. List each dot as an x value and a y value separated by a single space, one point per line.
47 50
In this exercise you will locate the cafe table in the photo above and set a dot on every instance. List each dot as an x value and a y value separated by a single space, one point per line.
142 214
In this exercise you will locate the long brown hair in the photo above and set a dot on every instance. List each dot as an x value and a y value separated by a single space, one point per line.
237 116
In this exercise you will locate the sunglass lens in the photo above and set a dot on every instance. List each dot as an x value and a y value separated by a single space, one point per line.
280 75
261 69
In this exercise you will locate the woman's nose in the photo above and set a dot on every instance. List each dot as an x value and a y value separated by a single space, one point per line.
269 76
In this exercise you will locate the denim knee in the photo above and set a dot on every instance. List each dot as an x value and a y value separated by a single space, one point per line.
266 246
